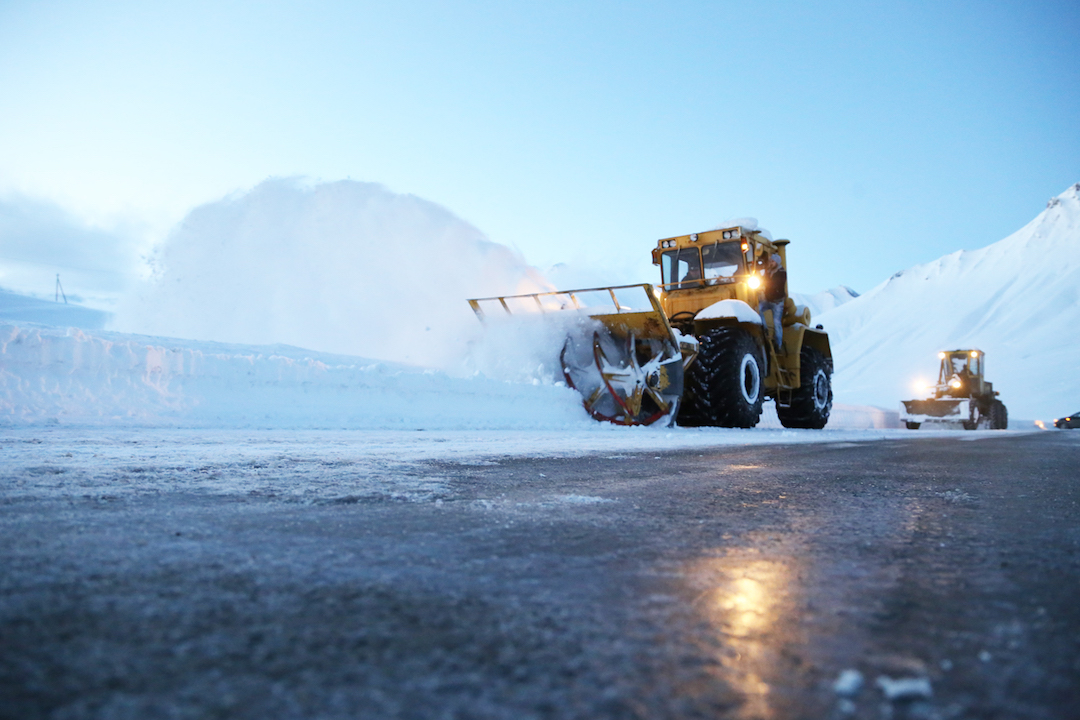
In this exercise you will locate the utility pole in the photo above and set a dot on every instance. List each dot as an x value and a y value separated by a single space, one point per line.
60 290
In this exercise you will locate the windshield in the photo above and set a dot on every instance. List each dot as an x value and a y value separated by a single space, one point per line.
722 260
960 363
681 269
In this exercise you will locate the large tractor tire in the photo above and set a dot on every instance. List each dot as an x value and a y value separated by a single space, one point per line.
812 402
725 383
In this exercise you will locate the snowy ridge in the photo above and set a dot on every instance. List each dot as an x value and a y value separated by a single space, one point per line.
1017 299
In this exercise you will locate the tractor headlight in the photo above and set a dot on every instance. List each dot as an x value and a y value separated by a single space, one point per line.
955 383
753 282
941 356
974 353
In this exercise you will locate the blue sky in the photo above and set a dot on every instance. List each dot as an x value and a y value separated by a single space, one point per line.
875 136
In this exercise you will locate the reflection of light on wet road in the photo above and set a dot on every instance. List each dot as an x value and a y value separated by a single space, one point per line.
745 598
746 607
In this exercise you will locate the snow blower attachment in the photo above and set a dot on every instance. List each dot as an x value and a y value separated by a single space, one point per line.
699 350
621 354
961 398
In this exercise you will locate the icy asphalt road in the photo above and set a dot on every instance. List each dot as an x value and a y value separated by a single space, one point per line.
167 574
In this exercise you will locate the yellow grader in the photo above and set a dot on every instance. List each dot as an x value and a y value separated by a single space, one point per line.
962 397
694 348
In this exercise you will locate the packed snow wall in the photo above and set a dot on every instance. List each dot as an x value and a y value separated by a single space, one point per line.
74 377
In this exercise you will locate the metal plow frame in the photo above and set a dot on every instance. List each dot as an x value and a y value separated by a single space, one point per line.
629 372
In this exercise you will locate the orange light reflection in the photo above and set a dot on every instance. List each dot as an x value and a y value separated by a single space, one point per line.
744 597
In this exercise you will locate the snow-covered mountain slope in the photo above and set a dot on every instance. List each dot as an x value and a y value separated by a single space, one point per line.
1018 300
22 308
825 300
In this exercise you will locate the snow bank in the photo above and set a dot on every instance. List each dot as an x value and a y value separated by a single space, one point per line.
1018 300
842 417
343 267
77 377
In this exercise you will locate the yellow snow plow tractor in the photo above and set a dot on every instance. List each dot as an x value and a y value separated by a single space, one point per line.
962 397
718 338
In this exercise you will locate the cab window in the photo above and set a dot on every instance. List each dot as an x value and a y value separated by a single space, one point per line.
681 268
722 260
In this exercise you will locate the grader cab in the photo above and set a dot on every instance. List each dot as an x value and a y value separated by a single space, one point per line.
961 397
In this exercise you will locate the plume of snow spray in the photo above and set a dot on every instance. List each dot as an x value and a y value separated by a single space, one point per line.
343 267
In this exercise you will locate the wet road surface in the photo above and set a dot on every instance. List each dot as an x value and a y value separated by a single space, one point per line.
730 583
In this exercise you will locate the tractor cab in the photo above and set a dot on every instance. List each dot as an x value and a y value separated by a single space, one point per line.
701 269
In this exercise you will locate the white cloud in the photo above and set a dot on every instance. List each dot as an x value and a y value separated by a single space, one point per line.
39 239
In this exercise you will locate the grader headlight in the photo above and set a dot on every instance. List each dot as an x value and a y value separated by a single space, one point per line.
955 383
753 282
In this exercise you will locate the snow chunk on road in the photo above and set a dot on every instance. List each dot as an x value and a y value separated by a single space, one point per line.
848 683
905 688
